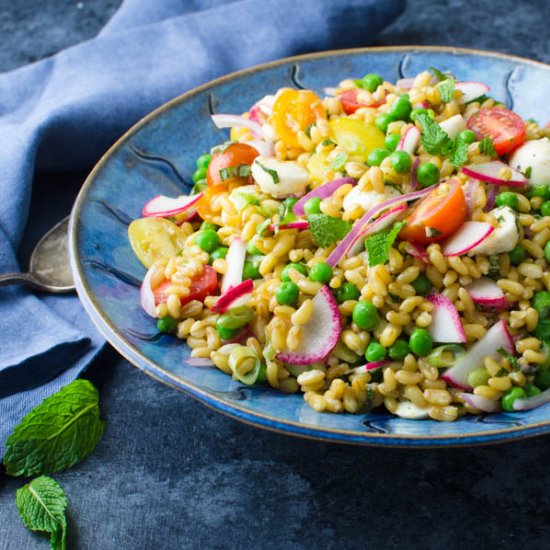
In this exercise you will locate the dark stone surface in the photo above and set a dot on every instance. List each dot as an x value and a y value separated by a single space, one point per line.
171 474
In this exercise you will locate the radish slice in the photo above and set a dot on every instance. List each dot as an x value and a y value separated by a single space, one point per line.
487 293
446 326
496 338
236 121
481 403
376 365
146 294
382 222
417 251
405 83
236 296
299 224
320 334
262 109
528 403
467 237
470 191
323 191
163 207
235 263
471 90
491 172
340 251
410 140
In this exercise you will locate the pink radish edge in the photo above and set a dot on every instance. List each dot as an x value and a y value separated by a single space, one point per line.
234 293
235 264
488 172
146 294
162 206
481 403
410 140
468 236
446 326
528 403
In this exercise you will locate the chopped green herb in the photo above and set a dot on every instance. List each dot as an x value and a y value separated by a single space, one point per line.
446 90
527 172
486 147
378 245
339 161
239 171
286 213
261 229
327 142
272 173
221 148
307 131
442 75
460 154
326 230
513 360
434 139
432 232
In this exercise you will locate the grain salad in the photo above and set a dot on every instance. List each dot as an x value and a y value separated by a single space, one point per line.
383 246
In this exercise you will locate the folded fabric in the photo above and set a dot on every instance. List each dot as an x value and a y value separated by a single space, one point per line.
63 112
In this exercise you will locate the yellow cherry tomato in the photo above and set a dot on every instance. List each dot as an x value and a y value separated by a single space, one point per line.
293 112
318 165
356 136
155 239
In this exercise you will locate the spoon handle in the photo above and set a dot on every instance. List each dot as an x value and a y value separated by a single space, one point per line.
23 278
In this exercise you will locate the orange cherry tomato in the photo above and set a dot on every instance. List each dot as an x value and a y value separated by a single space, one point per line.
224 166
202 286
504 127
293 112
350 102
438 215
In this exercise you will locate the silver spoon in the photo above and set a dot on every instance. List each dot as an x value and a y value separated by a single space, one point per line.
49 268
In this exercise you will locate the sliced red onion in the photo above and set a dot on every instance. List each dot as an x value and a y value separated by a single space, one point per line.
345 244
481 403
237 121
410 140
417 251
146 294
472 186
238 295
446 326
414 171
235 263
298 224
491 198
528 403
323 191
264 147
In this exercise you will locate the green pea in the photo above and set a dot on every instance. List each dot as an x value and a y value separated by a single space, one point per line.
531 390
399 350
542 380
226 333
401 109
347 292
365 315
208 225
427 174
507 199
208 240
391 141
321 272
199 174
422 285
199 186
218 253
262 374
251 270
541 191
478 377
466 136
420 342
313 206
517 254
167 324
371 82
510 396
545 208
287 294
204 160
542 330
541 302
376 156
375 352
382 121
236 317
300 268
252 249
547 252
401 161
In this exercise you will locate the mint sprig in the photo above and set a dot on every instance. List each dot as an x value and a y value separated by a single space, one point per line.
446 90
41 505
327 230
379 244
58 433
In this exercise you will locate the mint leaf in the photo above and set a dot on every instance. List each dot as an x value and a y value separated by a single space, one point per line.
486 147
378 245
58 433
286 213
442 75
339 161
434 139
446 90
261 229
459 155
326 230
41 505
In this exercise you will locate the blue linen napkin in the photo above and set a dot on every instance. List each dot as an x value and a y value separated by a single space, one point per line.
61 113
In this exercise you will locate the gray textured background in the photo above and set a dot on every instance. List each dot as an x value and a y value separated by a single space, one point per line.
171 474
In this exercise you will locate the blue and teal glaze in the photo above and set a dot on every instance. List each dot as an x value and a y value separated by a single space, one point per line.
158 155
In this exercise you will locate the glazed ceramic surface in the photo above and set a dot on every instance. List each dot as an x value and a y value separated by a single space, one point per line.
157 156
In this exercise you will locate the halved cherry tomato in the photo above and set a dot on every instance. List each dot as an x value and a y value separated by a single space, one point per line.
504 127
232 157
293 112
438 215
350 103
209 206
202 286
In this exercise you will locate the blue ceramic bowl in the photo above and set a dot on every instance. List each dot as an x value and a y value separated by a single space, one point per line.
157 156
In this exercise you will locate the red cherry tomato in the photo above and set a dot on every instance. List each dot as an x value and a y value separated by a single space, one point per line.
233 156
504 127
350 103
202 286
